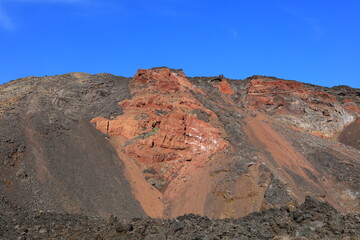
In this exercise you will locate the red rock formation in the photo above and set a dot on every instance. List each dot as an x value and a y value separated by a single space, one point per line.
178 161
161 127
224 87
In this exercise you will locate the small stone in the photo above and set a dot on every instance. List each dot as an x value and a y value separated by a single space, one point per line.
43 230
249 164
21 174
37 227
123 228
24 231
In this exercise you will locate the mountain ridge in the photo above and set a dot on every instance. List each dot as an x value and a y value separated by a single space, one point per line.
175 69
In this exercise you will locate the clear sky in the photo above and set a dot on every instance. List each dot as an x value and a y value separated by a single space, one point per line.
313 41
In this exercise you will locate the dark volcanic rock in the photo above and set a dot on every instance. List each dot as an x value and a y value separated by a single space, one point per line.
351 135
312 220
48 143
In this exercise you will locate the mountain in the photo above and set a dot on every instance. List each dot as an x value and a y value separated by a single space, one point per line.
163 145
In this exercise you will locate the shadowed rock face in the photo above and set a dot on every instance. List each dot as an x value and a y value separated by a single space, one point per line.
351 134
163 145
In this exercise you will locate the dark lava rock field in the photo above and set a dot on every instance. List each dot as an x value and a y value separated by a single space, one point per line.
311 220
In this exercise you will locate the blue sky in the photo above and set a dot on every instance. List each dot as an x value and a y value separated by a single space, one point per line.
310 41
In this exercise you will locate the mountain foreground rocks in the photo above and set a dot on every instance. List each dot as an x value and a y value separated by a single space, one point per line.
311 220
196 155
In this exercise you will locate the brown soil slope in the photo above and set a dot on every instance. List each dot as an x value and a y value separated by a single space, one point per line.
168 145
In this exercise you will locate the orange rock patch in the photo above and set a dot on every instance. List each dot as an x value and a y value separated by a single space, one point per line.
261 86
319 134
224 87
162 132
162 127
352 108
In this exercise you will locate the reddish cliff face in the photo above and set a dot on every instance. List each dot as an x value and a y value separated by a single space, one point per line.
187 152
161 123
165 130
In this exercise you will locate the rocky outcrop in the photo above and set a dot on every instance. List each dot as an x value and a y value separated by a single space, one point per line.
310 110
164 127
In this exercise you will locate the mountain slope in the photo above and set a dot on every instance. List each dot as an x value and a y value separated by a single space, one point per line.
51 156
167 145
